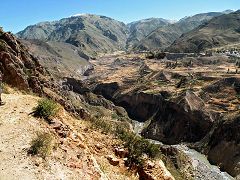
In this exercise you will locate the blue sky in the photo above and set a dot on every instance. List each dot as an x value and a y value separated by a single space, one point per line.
15 15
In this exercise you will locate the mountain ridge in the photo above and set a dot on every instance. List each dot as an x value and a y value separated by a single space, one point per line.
219 31
96 33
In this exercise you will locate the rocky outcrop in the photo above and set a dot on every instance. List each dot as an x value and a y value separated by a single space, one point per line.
144 69
169 122
19 68
107 90
223 146
172 124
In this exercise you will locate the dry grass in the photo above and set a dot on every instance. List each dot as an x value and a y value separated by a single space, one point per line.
42 145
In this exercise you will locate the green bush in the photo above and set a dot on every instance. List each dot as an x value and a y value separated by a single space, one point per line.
46 108
137 147
42 145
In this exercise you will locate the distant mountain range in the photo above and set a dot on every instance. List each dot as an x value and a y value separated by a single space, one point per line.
164 36
92 34
220 31
138 30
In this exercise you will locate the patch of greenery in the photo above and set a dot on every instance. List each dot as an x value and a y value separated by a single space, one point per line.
100 123
42 145
46 108
156 55
115 116
137 147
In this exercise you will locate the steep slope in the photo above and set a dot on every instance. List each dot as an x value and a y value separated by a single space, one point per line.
140 29
166 35
76 156
19 68
219 31
61 59
225 140
90 33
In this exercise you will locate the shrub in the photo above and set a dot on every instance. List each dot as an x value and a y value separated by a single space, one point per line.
46 108
150 55
42 145
160 55
100 123
137 147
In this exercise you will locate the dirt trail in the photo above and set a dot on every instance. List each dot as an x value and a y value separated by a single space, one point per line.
77 157
17 129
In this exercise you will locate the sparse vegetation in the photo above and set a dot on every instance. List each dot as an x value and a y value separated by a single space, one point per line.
5 88
157 55
46 108
42 145
150 55
137 146
100 123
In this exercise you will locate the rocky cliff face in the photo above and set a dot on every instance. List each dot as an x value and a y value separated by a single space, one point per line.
168 122
19 68
223 145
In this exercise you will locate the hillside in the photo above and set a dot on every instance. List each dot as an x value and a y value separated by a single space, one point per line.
166 35
219 31
140 29
93 34
75 156
61 59
82 139
90 33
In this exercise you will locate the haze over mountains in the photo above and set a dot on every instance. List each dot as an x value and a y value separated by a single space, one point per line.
92 34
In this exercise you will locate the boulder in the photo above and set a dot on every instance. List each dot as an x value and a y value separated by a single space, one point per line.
121 152
112 160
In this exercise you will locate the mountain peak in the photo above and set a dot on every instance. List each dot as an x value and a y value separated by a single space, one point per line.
80 14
